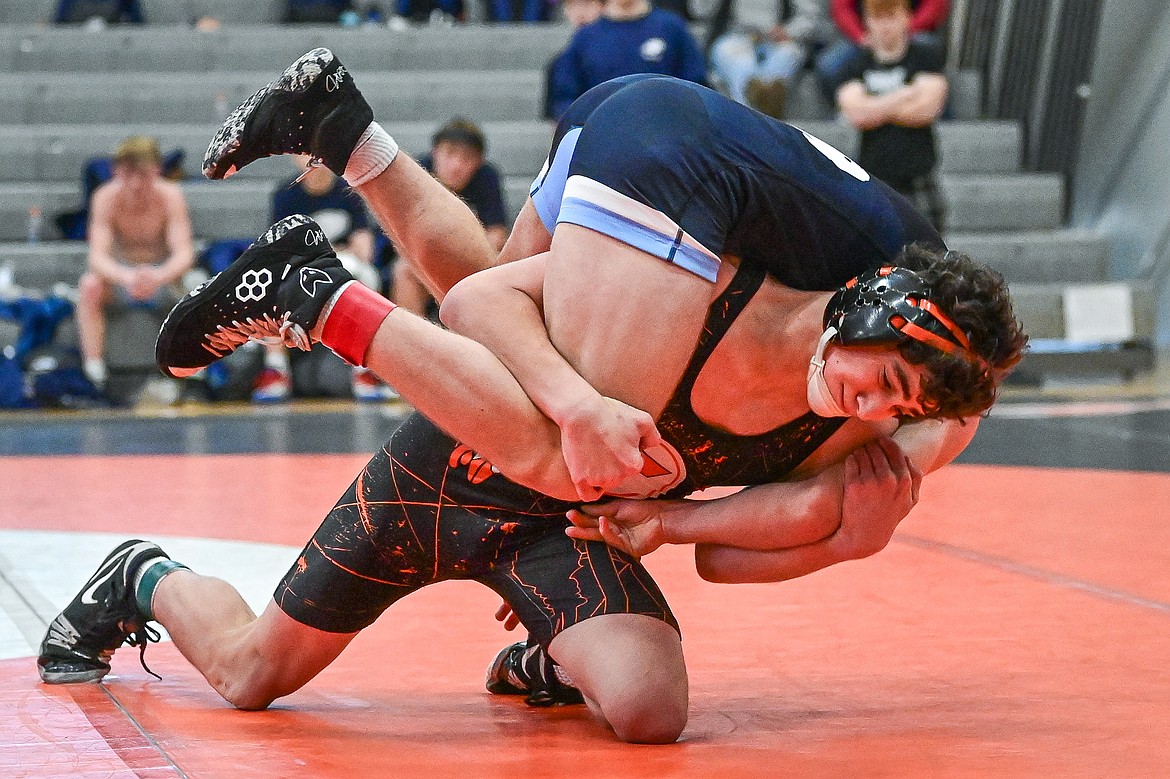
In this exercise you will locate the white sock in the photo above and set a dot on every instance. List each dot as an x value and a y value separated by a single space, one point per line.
95 370
374 152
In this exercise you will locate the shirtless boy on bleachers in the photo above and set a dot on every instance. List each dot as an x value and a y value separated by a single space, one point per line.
140 245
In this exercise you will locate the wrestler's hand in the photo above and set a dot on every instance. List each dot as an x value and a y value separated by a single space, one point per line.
633 526
602 444
505 614
881 486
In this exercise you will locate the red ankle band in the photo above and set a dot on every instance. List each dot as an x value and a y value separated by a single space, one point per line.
353 322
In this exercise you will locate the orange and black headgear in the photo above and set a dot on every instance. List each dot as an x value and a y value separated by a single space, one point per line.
889 306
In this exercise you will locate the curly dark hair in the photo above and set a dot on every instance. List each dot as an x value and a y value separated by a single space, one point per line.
977 299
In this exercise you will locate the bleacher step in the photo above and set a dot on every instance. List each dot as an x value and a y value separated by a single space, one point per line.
1006 202
154 98
1039 256
269 48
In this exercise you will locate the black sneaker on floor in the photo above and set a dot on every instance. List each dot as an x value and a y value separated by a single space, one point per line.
524 668
497 681
274 293
313 108
103 616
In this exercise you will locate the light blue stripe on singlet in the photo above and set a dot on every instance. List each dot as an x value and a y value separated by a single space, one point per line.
547 191
667 247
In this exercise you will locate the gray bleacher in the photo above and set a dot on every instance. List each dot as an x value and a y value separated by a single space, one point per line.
243 48
72 94
978 158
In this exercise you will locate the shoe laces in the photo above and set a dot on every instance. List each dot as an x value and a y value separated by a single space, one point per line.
138 635
266 329
314 162
140 638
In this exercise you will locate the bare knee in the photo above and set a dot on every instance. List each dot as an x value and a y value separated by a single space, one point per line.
631 669
256 674
247 682
646 717
649 708
247 698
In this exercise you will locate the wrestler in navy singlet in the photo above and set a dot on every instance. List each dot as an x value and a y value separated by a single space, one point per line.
686 174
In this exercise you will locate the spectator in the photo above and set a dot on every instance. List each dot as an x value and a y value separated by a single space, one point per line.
106 11
927 17
140 246
758 60
97 171
318 193
894 91
578 13
630 37
457 161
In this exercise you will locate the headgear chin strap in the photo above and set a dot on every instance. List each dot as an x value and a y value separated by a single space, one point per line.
820 400
891 305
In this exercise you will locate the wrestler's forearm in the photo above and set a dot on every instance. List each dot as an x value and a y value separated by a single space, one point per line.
768 517
730 565
464 389
506 318
775 517
870 502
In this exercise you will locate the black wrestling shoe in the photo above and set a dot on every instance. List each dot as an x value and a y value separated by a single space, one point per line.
102 617
524 668
313 108
273 293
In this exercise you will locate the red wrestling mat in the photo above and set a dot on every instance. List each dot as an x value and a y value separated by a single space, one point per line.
1019 625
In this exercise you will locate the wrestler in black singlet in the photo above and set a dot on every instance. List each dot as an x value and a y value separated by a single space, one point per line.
426 509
